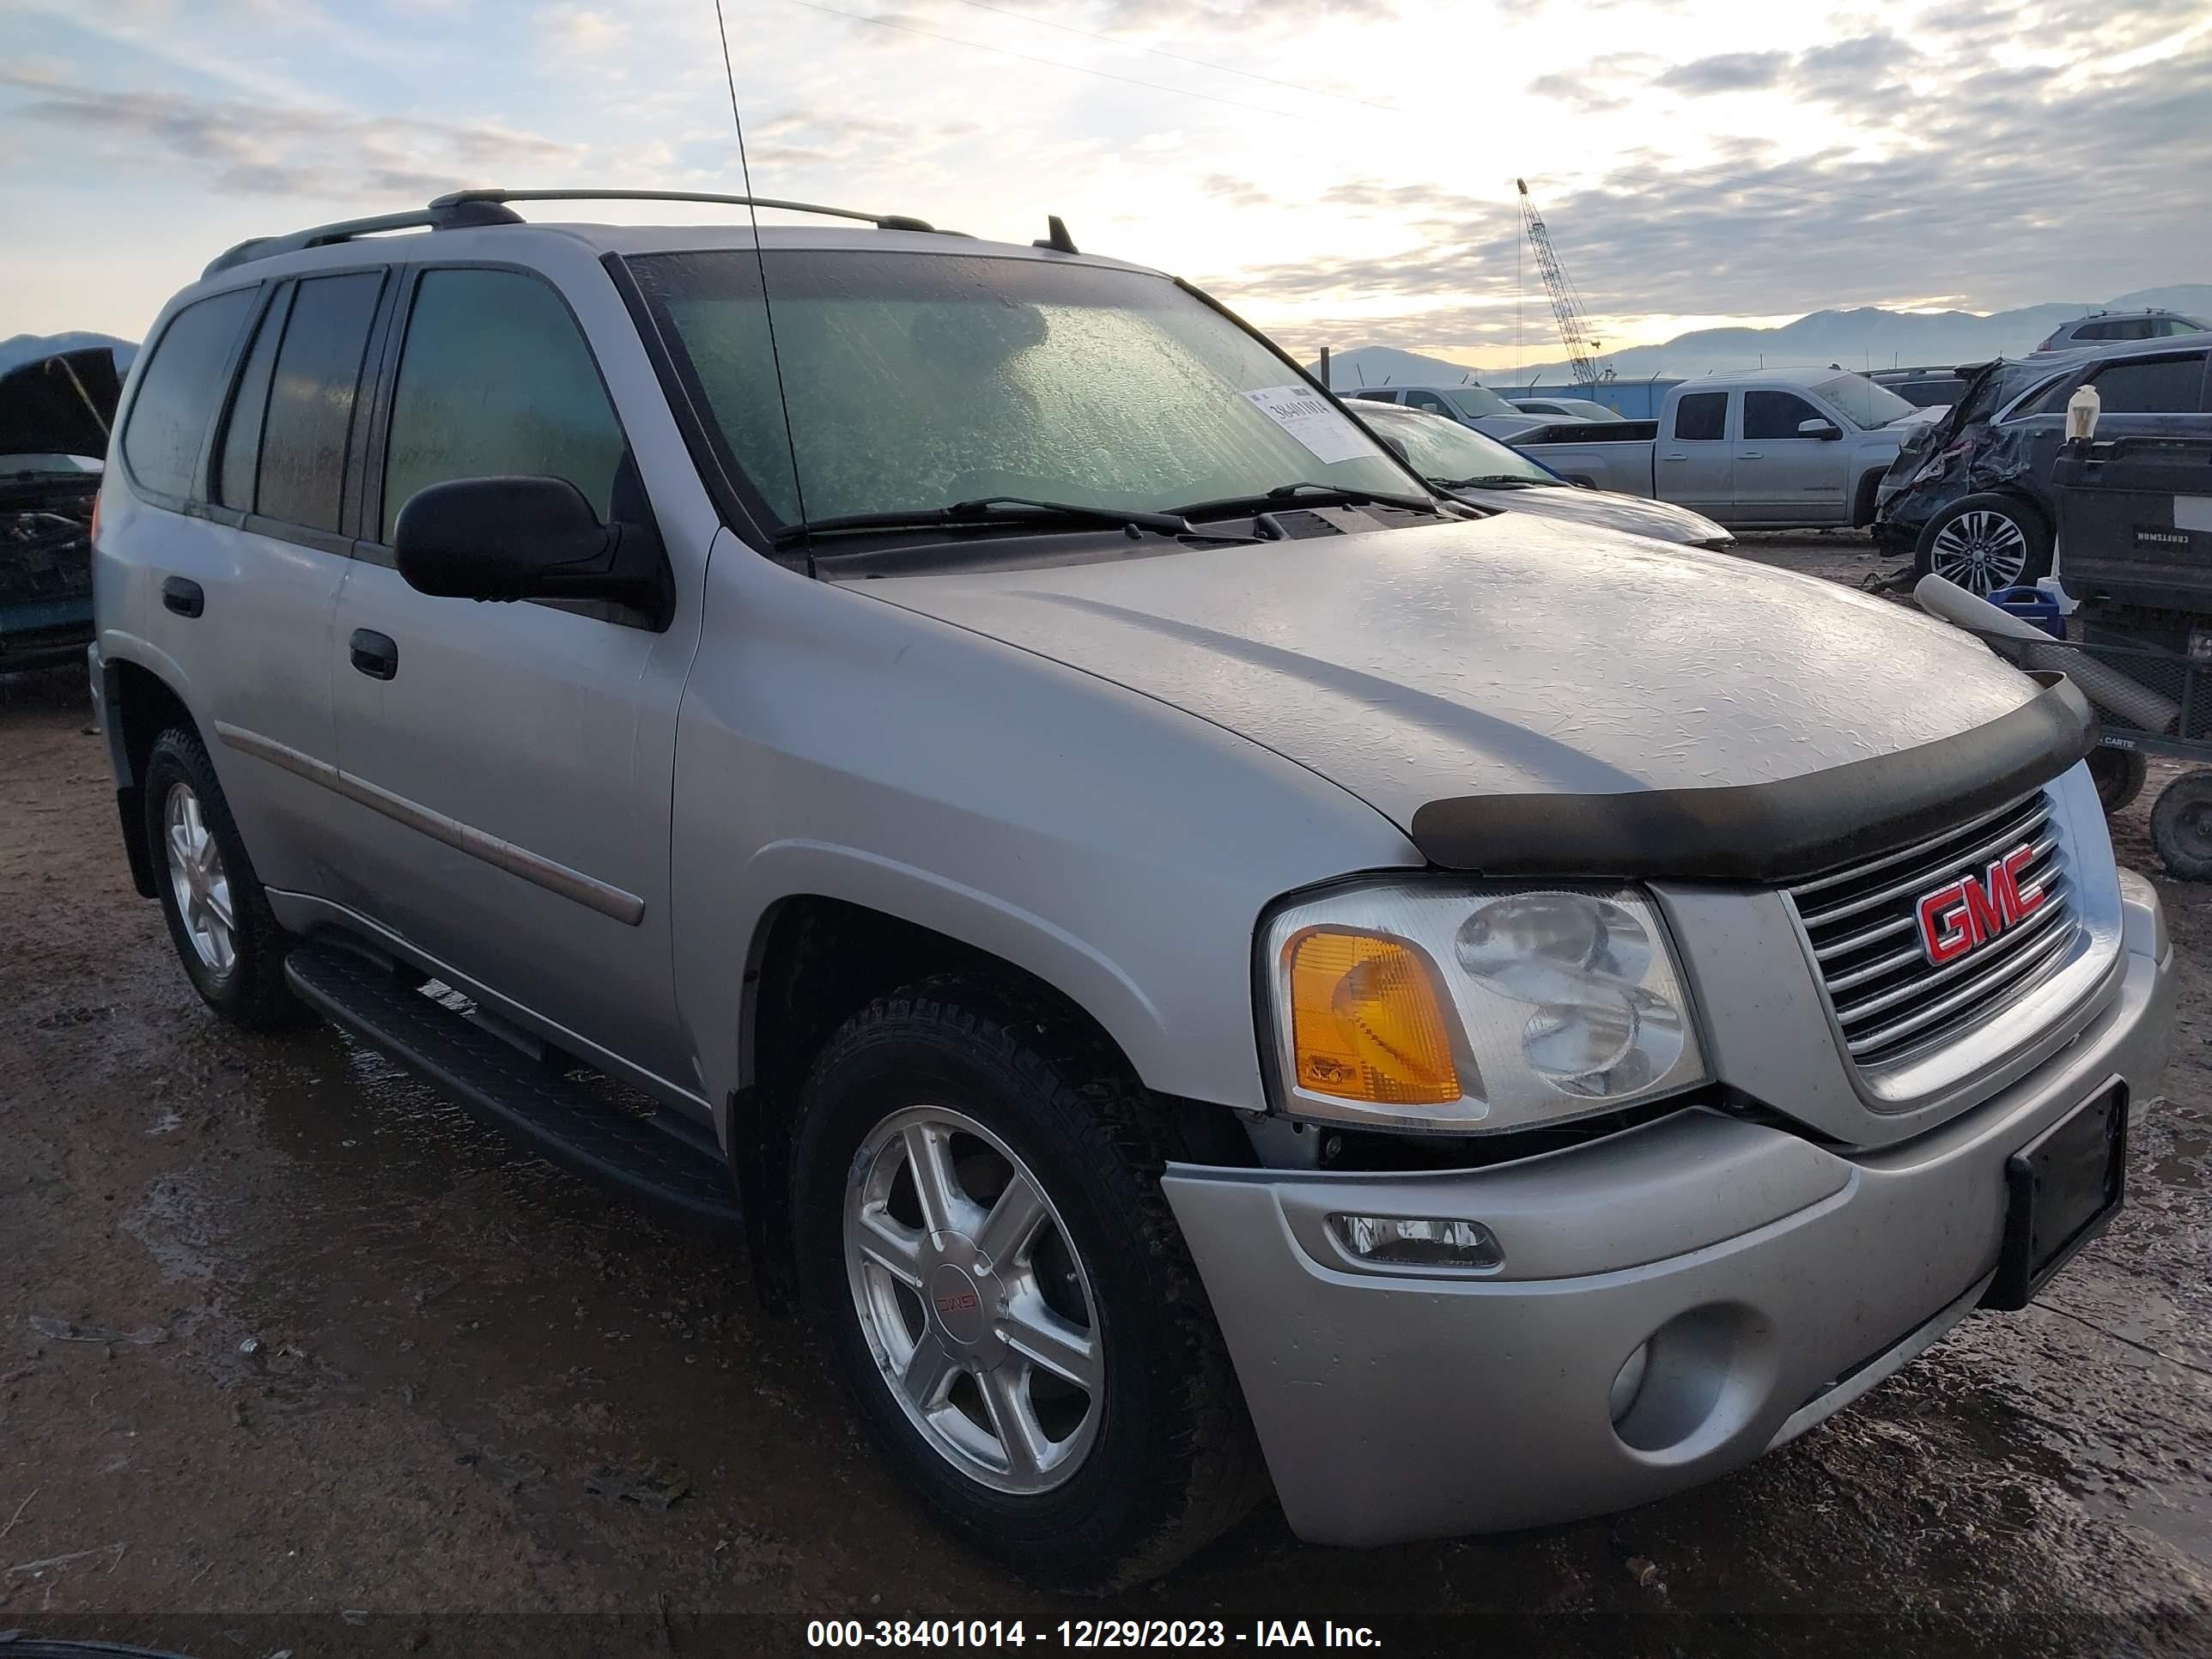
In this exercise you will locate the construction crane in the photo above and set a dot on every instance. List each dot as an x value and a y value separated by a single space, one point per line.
1574 327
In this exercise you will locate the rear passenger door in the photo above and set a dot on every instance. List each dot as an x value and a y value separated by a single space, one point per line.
1781 476
250 571
1694 455
517 758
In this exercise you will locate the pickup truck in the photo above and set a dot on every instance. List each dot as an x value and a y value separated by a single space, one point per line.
1192 961
1771 449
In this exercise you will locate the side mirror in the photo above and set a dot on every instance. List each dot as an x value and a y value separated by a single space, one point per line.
1826 430
521 538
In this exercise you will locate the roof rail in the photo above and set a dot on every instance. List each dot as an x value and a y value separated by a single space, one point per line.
881 221
441 214
466 208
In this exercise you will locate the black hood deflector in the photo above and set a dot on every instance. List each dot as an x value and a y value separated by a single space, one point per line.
1773 832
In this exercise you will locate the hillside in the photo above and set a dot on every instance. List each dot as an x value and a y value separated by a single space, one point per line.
1864 336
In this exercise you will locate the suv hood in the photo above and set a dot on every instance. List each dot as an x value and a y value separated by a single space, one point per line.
1517 655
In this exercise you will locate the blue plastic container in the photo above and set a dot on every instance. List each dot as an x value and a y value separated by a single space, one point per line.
2032 607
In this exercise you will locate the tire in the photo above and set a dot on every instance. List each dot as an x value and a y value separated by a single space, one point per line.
2181 826
2118 774
1985 542
238 966
1155 1457
1862 504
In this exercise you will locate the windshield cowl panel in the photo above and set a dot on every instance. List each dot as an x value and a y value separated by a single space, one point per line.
914 383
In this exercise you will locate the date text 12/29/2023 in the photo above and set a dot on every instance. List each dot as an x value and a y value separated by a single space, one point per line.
933 1635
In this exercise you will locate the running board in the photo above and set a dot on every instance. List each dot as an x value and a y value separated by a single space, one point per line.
560 1119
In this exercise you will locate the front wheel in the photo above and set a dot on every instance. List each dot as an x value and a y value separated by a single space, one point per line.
1985 543
986 1255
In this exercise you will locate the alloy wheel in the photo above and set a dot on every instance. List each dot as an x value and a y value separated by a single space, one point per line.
976 1306
1982 551
197 880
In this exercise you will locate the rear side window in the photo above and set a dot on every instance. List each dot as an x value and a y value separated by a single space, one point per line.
2162 385
496 381
1701 417
310 399
1773 414
177 394
241 437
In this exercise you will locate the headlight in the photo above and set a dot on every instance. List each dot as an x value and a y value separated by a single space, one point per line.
1448 1006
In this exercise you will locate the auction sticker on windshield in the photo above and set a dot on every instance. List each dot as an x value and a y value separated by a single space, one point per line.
1313 420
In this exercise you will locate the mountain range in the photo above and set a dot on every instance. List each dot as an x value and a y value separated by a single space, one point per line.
1862 337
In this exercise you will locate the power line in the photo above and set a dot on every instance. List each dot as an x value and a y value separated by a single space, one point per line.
1161 51
1050 63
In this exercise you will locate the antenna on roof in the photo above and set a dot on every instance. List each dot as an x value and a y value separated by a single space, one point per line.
767 315
1056 237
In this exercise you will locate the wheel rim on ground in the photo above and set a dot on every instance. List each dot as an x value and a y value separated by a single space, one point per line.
2191 828
974 1304
1982 551
197 880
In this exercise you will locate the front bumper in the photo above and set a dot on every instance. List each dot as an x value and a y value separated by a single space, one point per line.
1777 1281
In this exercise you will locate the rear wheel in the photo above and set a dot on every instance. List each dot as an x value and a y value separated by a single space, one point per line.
985 1255
2181 826
219 917
1985 542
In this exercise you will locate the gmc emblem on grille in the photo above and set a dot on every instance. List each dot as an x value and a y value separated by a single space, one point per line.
1953 920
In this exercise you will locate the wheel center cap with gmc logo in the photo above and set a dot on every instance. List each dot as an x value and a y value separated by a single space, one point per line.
965 1295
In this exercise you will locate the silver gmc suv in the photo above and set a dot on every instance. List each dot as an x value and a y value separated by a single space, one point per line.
1192 961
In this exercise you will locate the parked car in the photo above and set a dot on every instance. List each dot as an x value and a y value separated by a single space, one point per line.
1476 407
1775 448
1178 946
1972 500
1484 472
55 408
2111 327
1925 388
1565 409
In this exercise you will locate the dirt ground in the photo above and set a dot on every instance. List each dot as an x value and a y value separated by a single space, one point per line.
294 1359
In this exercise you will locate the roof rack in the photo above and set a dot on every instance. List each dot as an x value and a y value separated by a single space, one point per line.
467 208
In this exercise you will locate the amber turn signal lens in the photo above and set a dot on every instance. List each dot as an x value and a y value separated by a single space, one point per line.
1364 1022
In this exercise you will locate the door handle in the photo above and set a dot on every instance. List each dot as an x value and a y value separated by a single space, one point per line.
1751 455
373 654
182 595
1677 457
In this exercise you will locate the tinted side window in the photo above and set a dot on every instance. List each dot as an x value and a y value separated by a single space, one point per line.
177 394
241 436
2162 385
1427 400
1775 413
1701 417
311 398
495 380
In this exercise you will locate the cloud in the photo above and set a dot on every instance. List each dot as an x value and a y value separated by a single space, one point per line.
1237 193
250 147
1730 71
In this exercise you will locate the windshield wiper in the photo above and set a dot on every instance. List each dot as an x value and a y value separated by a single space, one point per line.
1306 494
1494 481
990 510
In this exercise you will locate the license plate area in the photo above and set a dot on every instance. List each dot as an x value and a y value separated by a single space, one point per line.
2060 1190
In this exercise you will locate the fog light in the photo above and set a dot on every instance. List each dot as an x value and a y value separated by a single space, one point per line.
1630 1383
1418 1241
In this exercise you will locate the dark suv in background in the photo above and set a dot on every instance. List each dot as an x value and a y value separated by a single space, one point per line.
1972 497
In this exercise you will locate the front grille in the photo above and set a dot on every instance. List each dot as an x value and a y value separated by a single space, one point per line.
1891 1003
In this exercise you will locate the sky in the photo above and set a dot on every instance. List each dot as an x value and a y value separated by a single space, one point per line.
1340 172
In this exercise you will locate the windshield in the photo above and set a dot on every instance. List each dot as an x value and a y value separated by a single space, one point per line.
918 381
1866 403
1475 401
1443 451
